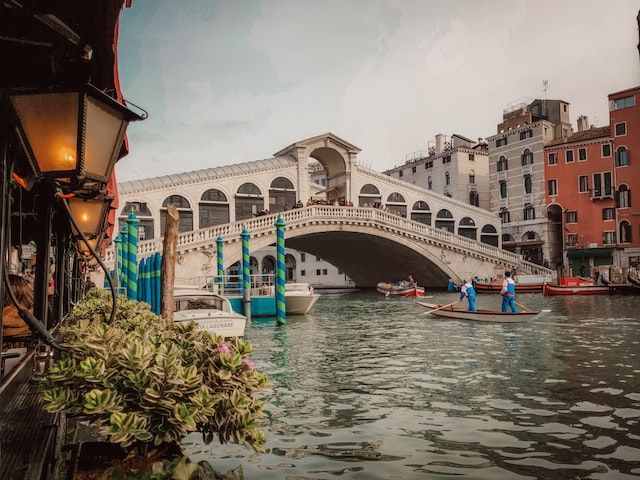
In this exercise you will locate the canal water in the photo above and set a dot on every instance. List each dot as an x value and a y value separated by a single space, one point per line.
370 388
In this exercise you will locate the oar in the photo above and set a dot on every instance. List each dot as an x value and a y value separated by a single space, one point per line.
529 310
440 308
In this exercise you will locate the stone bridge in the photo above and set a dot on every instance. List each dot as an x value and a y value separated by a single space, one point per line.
368 244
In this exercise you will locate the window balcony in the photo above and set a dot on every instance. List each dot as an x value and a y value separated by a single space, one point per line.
527 198
473 187
502 175
447 190
527 169
502 203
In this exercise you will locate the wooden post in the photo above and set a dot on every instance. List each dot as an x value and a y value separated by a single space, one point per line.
168 275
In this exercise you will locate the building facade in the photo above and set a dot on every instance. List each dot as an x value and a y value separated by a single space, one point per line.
517 174
457 168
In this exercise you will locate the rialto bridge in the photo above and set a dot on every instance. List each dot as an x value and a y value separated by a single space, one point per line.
432 236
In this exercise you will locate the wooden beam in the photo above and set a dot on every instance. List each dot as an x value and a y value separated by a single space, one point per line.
168 274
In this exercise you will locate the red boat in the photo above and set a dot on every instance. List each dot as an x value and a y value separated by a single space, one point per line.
401 289
575 286
496 286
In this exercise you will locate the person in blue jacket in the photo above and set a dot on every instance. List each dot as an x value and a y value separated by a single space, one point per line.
467 290
508 293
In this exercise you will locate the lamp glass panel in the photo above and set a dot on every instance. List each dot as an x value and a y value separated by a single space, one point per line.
103 135
88 214
50 122
83 246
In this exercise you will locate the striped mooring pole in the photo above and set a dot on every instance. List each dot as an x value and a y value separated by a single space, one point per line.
220 256
281 279
124 260
246 273
132 261
156 268
117 271
147 281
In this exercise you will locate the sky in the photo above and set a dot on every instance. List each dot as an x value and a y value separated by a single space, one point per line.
231 81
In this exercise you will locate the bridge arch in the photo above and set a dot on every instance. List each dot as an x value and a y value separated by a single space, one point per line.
445 221
467 228
335 167
249 201
420 212
144 214
369 195
282 194
489 235
397 204
184 208
213 208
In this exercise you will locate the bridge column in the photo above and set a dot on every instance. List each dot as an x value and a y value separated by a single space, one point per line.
304 192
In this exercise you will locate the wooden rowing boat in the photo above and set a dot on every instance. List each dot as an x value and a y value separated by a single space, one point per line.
481 315
550 289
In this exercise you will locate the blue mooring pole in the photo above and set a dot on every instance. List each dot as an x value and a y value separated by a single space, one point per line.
246 273
281 279
220 256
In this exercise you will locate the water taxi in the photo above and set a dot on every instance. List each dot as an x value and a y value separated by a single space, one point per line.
210 312
299 298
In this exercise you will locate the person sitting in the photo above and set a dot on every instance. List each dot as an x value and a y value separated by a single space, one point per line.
411 280
508 293
467 290
12 324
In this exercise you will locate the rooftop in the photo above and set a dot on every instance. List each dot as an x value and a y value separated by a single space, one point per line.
585 135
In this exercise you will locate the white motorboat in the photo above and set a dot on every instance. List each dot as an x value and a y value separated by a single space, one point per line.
210 312
299 298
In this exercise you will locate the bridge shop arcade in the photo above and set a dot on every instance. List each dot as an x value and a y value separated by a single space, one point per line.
62 128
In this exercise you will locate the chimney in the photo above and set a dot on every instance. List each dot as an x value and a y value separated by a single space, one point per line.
439 143
583 123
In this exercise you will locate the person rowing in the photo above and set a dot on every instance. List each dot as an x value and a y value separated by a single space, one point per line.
508 293
467 290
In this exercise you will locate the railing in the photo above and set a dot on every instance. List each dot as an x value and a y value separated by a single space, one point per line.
502 203
502 175
260 226
231 285
527 169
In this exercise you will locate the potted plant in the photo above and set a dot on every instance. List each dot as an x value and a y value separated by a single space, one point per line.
145 386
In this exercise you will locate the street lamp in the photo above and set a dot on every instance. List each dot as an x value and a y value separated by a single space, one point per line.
73 135
89 216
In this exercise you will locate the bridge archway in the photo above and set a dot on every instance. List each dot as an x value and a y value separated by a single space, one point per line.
249 201
282 195
445 221
214 208
335 168
369 195
184 209
420 212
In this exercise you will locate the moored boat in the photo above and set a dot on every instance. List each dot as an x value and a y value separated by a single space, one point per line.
210 312
491 316
524 284
575 286
402 289
299 298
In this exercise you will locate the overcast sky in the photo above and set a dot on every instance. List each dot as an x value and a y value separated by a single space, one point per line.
236 80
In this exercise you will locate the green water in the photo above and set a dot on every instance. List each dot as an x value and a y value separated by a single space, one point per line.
366 387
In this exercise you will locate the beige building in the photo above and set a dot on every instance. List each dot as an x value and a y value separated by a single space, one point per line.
517 177
457 167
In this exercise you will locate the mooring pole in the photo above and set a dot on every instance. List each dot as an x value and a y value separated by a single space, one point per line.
132 256
281 279
246 274
124 261
220 257
117 270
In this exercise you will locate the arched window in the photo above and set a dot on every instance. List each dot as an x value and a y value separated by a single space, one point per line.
282 195
474 199
467 228
472 177
143 213
527 157
623 197
447 178
397 204
184 210
290 267
625 232
489 235
503 164
420 212
622 157
268 265
249 201
214 208
506 238
429 182
528 184
503 189
369 195
444 221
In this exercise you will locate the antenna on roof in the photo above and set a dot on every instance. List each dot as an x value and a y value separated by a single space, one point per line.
545 86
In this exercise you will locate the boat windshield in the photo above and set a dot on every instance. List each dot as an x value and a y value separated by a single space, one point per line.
200 303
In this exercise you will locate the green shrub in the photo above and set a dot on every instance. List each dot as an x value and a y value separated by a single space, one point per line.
145 384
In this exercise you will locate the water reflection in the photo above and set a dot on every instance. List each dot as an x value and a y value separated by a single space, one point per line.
370 388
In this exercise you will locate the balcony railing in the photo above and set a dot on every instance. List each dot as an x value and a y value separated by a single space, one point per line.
527 198
527 169
502 203
502 175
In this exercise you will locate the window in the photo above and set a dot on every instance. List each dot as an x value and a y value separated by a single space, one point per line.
429 183
472 177
503 189
608 213
413 169
400 173
318 259
529 213
318 272
552 186
571 216
572 239
303 257
621 129
621 103
324 271
606 149
625 232
527 157
500 142
582 154
472 157
447 179
503 164
583 184
528 184
526 134
622 157
446 159
474 199
602 186
553 158
568 156
505 217
623 197
428 164
564 107
303 273
609 238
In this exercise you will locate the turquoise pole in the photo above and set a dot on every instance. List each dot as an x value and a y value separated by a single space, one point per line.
246 273
281 279
124 264
157 268
140 284
220 256
132 263
118 266
147 280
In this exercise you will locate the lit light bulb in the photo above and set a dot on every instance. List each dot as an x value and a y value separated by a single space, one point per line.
85 217
68 158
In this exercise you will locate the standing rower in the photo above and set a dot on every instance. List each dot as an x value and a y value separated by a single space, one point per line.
508 293
467 290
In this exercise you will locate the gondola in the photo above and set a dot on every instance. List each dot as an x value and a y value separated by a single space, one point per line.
491 316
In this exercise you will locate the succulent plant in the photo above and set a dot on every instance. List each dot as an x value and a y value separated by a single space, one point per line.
145 384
